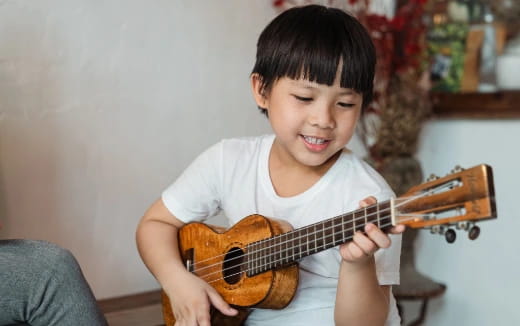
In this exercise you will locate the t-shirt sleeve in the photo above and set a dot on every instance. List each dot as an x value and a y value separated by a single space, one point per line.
195 195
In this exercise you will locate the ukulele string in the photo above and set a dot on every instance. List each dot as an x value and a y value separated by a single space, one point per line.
274 262
288 241
259 267
365 217
437 189
402 201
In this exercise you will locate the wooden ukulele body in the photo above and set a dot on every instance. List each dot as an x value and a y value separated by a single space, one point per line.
206 248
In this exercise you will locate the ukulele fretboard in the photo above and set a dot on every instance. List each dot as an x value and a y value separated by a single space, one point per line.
287 248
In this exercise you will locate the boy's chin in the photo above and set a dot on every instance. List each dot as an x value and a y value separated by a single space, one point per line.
318 160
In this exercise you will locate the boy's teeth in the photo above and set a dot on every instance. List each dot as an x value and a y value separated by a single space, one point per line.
313 140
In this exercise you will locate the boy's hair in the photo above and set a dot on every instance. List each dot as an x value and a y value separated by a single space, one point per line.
310 42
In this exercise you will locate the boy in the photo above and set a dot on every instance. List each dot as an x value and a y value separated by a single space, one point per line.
313 75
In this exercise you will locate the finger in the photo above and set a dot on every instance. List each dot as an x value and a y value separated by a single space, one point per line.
368 201
219 303
351 251
179 318
366 245
200 315
188 318
203 320
399 228
375 234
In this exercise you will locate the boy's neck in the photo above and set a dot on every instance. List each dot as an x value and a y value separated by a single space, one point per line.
289 178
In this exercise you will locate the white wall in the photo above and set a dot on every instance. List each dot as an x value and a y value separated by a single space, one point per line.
102 104
482 275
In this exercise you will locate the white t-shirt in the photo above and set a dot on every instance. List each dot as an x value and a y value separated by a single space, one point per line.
233 176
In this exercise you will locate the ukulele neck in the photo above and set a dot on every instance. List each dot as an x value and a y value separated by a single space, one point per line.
287 248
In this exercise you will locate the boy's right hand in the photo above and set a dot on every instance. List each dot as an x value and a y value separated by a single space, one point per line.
191 297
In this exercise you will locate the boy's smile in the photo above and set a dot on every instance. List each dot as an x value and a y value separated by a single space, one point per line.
315 144
312 122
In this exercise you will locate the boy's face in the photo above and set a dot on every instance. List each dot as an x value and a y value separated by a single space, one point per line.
312 122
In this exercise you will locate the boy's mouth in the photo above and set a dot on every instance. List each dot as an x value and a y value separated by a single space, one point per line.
315 144
314 140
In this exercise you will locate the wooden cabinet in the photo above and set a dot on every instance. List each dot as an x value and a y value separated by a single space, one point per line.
497 105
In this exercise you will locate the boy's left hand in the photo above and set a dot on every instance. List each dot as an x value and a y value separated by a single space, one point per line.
364 245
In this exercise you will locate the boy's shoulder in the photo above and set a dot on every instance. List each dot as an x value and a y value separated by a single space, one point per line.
362 172
247 140
245 145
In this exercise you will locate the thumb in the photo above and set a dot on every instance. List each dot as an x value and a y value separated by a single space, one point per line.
219 303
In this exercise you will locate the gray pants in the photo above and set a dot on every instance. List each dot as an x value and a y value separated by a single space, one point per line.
42 284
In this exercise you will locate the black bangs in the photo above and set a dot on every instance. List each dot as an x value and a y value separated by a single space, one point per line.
311 43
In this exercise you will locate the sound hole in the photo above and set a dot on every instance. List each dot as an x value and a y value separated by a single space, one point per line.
233 265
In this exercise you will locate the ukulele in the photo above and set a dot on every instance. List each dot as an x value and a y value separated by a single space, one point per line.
254 263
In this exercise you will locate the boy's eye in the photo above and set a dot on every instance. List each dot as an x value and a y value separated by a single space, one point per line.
302 98
346 105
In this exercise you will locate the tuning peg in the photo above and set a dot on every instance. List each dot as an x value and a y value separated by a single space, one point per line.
450 235
437 229
474 232
457 168
463 225
432 177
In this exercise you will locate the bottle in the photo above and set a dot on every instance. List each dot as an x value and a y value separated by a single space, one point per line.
488 54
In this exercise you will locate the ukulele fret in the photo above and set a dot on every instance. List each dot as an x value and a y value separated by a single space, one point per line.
347 226
268 257
260 256
359 215
311 240
299 246
338 230
329 238
304 250
378 216
294 245
342 228
333 232
315 238
257 257
354 224
372 217
283 251
251 257
278 257
319 236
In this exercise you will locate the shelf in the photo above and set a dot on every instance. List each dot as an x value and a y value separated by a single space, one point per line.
498 105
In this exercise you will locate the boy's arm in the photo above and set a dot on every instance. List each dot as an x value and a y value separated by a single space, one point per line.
156 238
360 300
157 243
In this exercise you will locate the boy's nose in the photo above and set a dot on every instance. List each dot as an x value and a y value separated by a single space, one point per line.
322 117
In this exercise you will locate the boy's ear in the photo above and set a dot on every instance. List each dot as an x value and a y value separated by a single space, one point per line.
257 87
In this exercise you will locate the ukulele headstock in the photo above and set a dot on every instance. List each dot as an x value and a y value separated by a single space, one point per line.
457 200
